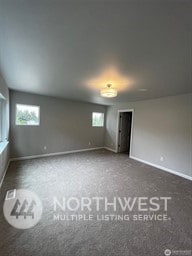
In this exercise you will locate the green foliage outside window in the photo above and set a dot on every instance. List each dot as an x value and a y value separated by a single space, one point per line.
97 119
25 117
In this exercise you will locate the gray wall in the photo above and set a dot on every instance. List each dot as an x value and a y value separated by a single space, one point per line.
4 156
64 126
162 127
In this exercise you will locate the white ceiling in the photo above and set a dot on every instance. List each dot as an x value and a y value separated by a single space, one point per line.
67 48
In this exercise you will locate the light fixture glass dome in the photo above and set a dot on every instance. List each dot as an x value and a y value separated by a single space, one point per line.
108 91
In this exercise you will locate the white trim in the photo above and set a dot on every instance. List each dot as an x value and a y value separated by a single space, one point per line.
110 149
2 120
90 149
53 154
3 145
2 97
117 127
2 179
162 168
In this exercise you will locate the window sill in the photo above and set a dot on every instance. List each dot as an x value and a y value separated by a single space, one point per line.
3 145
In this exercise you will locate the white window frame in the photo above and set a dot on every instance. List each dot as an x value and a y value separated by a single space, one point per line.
103 119
2 119
28 106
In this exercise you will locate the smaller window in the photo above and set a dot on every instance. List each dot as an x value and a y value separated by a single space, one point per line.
97 119
27 115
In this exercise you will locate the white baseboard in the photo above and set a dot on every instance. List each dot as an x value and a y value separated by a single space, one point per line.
110 149
2 179
54 154
162 168
90 149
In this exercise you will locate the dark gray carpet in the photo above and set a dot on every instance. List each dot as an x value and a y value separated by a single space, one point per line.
90 174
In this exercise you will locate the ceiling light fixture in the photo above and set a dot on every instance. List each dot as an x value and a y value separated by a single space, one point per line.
108 91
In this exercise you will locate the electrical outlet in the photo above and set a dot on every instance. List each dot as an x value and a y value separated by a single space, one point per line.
89 143
45 148
161 158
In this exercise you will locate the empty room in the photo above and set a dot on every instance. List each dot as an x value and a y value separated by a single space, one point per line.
95 127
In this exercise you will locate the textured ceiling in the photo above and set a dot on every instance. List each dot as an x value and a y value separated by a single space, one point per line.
71 49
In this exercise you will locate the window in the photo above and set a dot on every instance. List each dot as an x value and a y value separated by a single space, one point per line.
27 115
97 119
2 118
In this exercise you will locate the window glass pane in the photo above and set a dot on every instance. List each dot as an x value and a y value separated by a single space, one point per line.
97 119
1 122
2 118
27 115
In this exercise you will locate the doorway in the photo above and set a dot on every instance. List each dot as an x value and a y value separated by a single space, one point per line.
124 136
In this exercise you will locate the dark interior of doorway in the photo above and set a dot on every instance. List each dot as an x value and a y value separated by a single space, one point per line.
124 138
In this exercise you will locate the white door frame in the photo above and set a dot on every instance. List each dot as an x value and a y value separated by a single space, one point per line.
117 129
